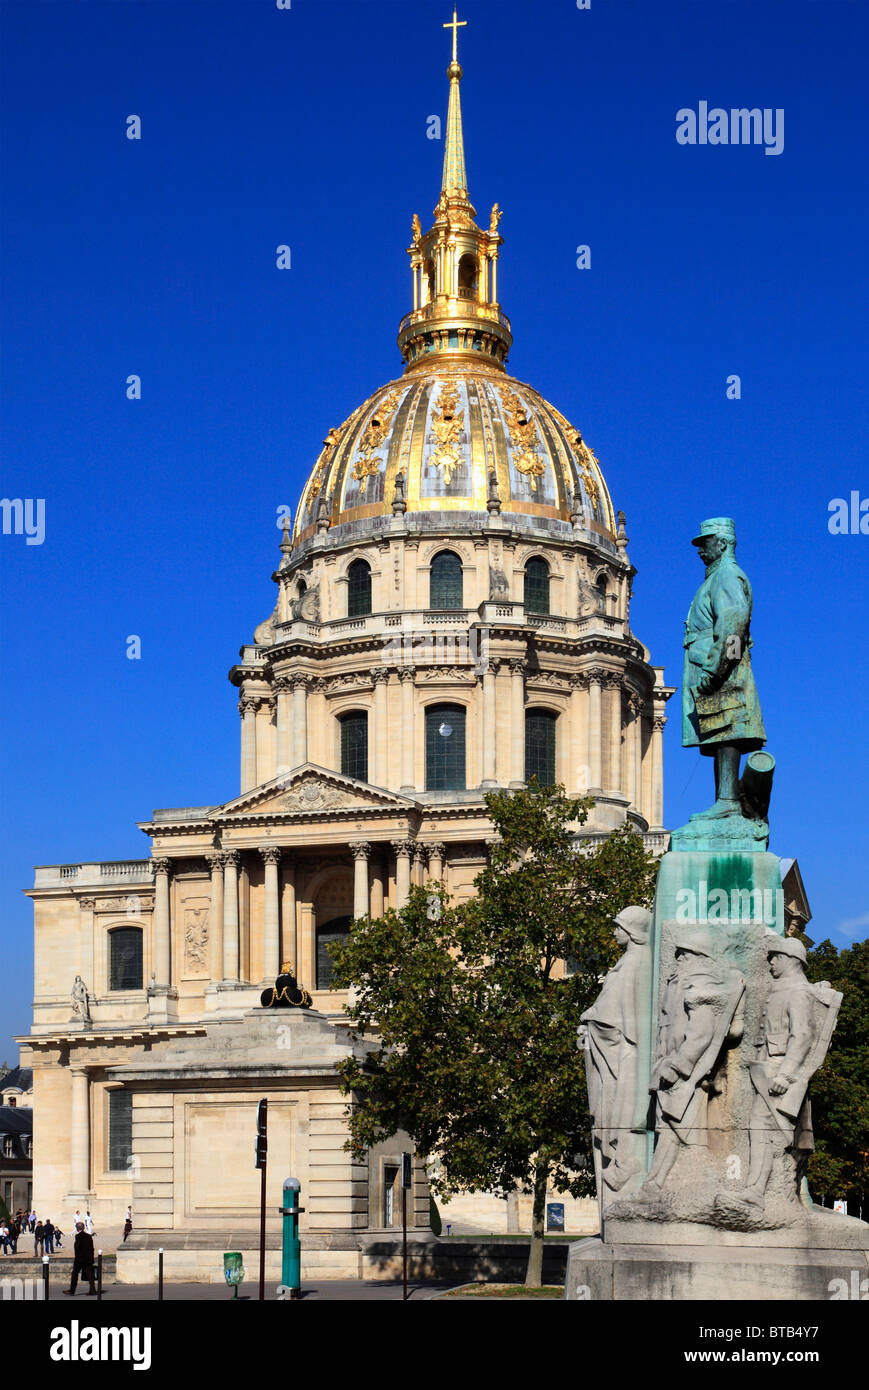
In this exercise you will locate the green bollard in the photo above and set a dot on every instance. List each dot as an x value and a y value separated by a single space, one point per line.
291 1264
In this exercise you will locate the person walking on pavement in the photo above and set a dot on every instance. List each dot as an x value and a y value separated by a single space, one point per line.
88 1223
4 1237
128 1224
83 1261
33 1221
48 1233
39 1239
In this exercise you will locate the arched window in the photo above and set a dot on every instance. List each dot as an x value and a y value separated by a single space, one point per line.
540 746
358 589
445 589
125 958
336 930
445 748
120 1130
354 744
429 273
467 277
602 590
537 585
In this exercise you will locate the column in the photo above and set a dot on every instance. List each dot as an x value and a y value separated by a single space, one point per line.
162 950
615 733
657 808
285 724
638 755
307 971
436 851
289 946
247 709
594 746
271 913
215 917
300 720
403 850
230 914
579 773
517 724
406 675
418 863
490 675
381 728
264 768
631 731
377 885
494 299
360 850
80 1131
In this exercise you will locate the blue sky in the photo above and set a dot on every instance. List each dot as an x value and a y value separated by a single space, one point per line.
308 127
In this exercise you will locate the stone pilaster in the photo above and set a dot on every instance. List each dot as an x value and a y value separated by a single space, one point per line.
215 916
271 913
380 768
162 930
360 849
284 697
406 676
247 708
230 916
300 720
79 1131
490 675
517 723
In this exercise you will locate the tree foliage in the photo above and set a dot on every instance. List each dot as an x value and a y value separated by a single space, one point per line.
839 1167
475 1012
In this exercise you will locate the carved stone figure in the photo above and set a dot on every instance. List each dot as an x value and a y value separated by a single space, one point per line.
307 605
721 712
80 1002
494 218
796 1030
701 1013
416 229
498 584
613 1033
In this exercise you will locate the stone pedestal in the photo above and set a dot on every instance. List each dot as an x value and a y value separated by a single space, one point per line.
718 1273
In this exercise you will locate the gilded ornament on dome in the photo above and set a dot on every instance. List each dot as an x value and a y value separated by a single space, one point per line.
329 443
447 427
375 435
494 219
417 229
523 435
584 456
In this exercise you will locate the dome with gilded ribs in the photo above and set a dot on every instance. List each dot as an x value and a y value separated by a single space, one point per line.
450 439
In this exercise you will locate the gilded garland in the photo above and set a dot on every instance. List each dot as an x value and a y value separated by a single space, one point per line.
523 435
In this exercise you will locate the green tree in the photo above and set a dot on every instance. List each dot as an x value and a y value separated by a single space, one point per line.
840 1090
476 1015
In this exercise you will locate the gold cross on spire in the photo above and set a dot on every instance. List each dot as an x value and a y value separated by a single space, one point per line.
456 24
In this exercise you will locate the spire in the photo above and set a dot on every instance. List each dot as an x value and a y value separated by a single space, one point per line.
454 266
455 179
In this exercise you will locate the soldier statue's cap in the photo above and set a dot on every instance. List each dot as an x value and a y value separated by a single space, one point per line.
700 941
636 921
784 946
722 526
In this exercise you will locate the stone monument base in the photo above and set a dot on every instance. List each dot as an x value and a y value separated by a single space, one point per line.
603 1272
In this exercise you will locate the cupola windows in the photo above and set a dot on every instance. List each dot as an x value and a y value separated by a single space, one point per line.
354 744
445 589
537 585
358 589
445 748
540 746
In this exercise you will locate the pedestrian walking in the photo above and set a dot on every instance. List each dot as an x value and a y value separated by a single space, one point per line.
83 1261
58 1243
48 1233
4 1237
88 1223
14 1233
39 1239
33 1220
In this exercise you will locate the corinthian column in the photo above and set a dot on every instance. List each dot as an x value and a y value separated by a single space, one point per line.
360 850
215 917
285 724
381 729
657 808
595 731
247 708
162 949
300 719
79 1131
436 851
230 915
406 675
615 733
265 753
271 914
490 675
579 776
517 723
403 850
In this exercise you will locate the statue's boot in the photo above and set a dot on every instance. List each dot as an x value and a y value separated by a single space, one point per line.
723 807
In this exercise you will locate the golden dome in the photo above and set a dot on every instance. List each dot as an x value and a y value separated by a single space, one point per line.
454 438
456 433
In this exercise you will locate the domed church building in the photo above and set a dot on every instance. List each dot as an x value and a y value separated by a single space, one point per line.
452 616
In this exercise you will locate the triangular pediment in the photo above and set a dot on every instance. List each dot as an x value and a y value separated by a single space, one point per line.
311 789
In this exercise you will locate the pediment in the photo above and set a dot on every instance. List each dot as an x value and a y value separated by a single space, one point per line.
309 790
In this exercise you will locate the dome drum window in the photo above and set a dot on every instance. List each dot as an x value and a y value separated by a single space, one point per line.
445 590
537 586
359 589
354 745
540 746
445 748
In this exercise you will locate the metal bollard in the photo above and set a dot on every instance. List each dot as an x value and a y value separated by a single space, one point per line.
160 1274
291 1262
45 1278
99 1275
